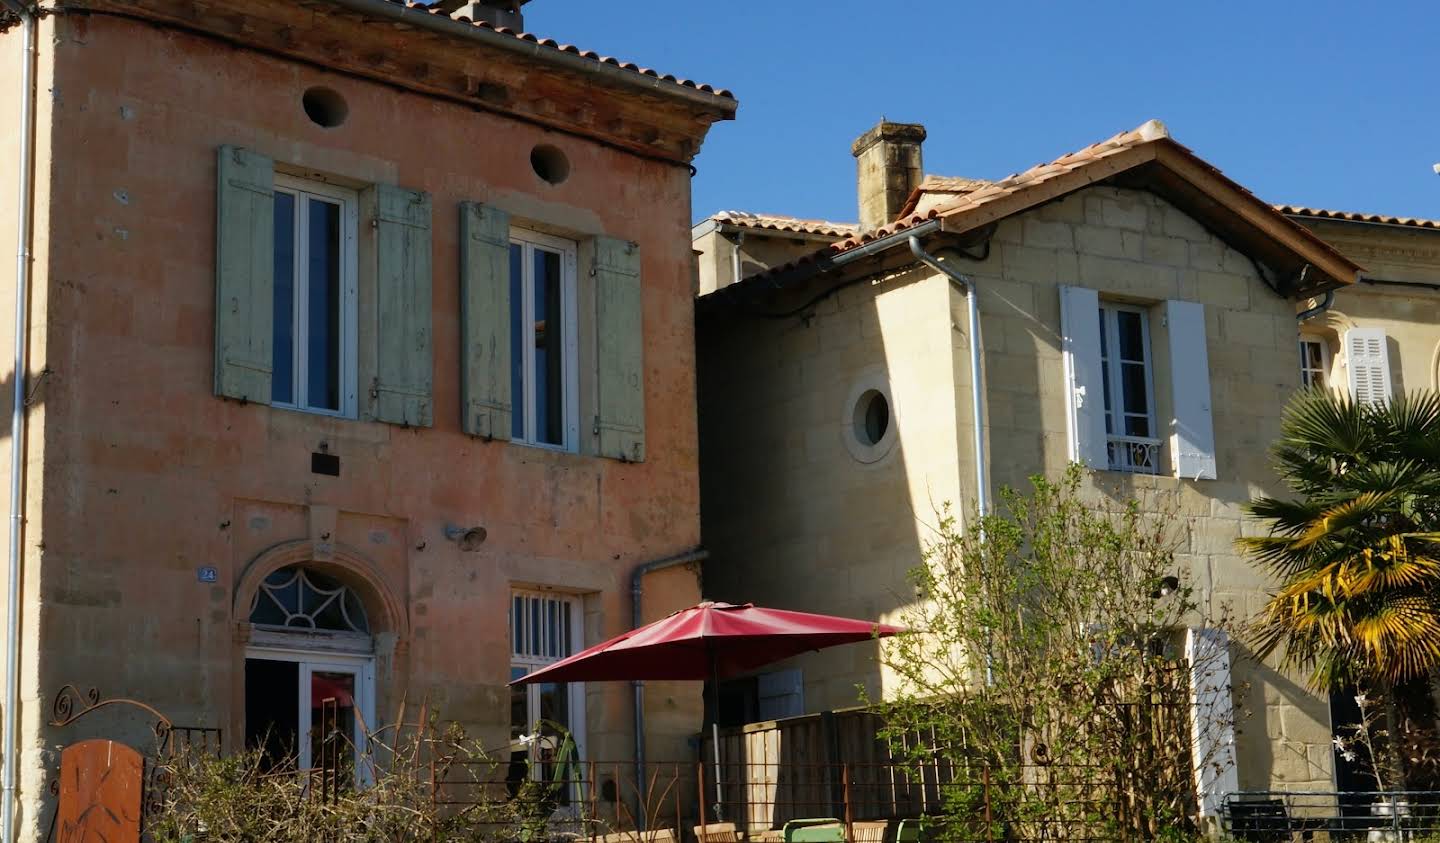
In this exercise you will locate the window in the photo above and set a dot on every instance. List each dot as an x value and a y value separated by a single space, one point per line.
543 372
1130 432
545 627
314 317
1314 362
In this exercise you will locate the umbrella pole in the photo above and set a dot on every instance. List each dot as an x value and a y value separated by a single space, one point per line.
715 738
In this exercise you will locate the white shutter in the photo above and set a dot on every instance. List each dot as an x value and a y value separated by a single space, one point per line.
1212 718
1192 439
1085 396
1367 357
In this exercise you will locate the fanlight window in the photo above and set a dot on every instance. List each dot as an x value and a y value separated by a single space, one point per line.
298 598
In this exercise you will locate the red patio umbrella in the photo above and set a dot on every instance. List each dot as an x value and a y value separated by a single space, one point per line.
708 641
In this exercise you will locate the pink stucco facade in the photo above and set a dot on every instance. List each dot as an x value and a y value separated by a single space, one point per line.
140 475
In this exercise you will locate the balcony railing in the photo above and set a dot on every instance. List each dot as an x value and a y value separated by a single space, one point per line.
1136 454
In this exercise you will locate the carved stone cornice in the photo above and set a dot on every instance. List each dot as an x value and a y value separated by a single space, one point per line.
496 71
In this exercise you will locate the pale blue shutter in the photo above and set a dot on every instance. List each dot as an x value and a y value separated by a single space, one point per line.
485 321
1085 392
1193 438
244 275
401 392
621 420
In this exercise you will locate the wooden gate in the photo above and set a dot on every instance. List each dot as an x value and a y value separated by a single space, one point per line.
102 784
105 788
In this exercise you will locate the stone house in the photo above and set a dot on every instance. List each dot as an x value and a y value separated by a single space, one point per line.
1137 313
360 362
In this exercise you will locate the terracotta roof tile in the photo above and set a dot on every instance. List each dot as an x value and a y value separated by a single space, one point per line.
1351 216
775 222
987 192
551 43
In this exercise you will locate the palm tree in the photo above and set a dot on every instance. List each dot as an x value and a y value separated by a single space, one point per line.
1357 554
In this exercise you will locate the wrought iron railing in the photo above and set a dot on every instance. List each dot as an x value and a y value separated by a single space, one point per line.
1282 816
1137 454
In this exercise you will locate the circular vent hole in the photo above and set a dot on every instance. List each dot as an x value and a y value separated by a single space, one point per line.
550 163
872 417
325 107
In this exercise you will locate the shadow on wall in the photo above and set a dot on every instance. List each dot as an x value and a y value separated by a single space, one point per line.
799 509
1278 729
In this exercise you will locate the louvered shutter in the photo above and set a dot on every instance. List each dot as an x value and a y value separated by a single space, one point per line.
1085 396
621 420
401 389
1367 357
485 321
1193 438
244 275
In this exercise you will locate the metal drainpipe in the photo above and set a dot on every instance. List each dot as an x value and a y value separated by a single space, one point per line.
26 212
637 578
735 255
977 393
1318 309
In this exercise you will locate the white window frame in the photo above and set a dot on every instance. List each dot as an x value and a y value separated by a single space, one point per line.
348 200
1112 372
570 365
530 663
309 661
1324 372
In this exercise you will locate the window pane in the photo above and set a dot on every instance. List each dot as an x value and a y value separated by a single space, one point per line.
323 342
332 722
518 409
554 706
282 381
1137 426
517 625
1132 337
1132 376
534 648
566 645
552 624
549 350
519 704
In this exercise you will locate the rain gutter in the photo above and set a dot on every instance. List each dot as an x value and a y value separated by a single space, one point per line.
637 591
26 213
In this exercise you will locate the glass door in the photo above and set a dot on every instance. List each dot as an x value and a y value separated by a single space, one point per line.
324 727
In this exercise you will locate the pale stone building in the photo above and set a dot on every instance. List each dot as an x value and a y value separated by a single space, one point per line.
361 363
1138 313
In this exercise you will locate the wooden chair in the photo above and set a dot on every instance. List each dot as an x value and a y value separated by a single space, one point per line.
719 833
869 832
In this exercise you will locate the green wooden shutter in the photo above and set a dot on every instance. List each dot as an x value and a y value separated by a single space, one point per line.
621 421
401 389
244 275
485 321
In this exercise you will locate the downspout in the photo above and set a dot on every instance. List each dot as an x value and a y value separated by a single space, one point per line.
637 590
26 213
977 392
735 256
977 400
1318 309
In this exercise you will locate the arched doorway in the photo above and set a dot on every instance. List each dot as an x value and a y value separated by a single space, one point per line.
309 672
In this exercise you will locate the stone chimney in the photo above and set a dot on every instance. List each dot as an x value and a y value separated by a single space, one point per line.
506 13
888 167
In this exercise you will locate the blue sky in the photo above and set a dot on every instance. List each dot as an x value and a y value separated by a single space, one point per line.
1324 103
